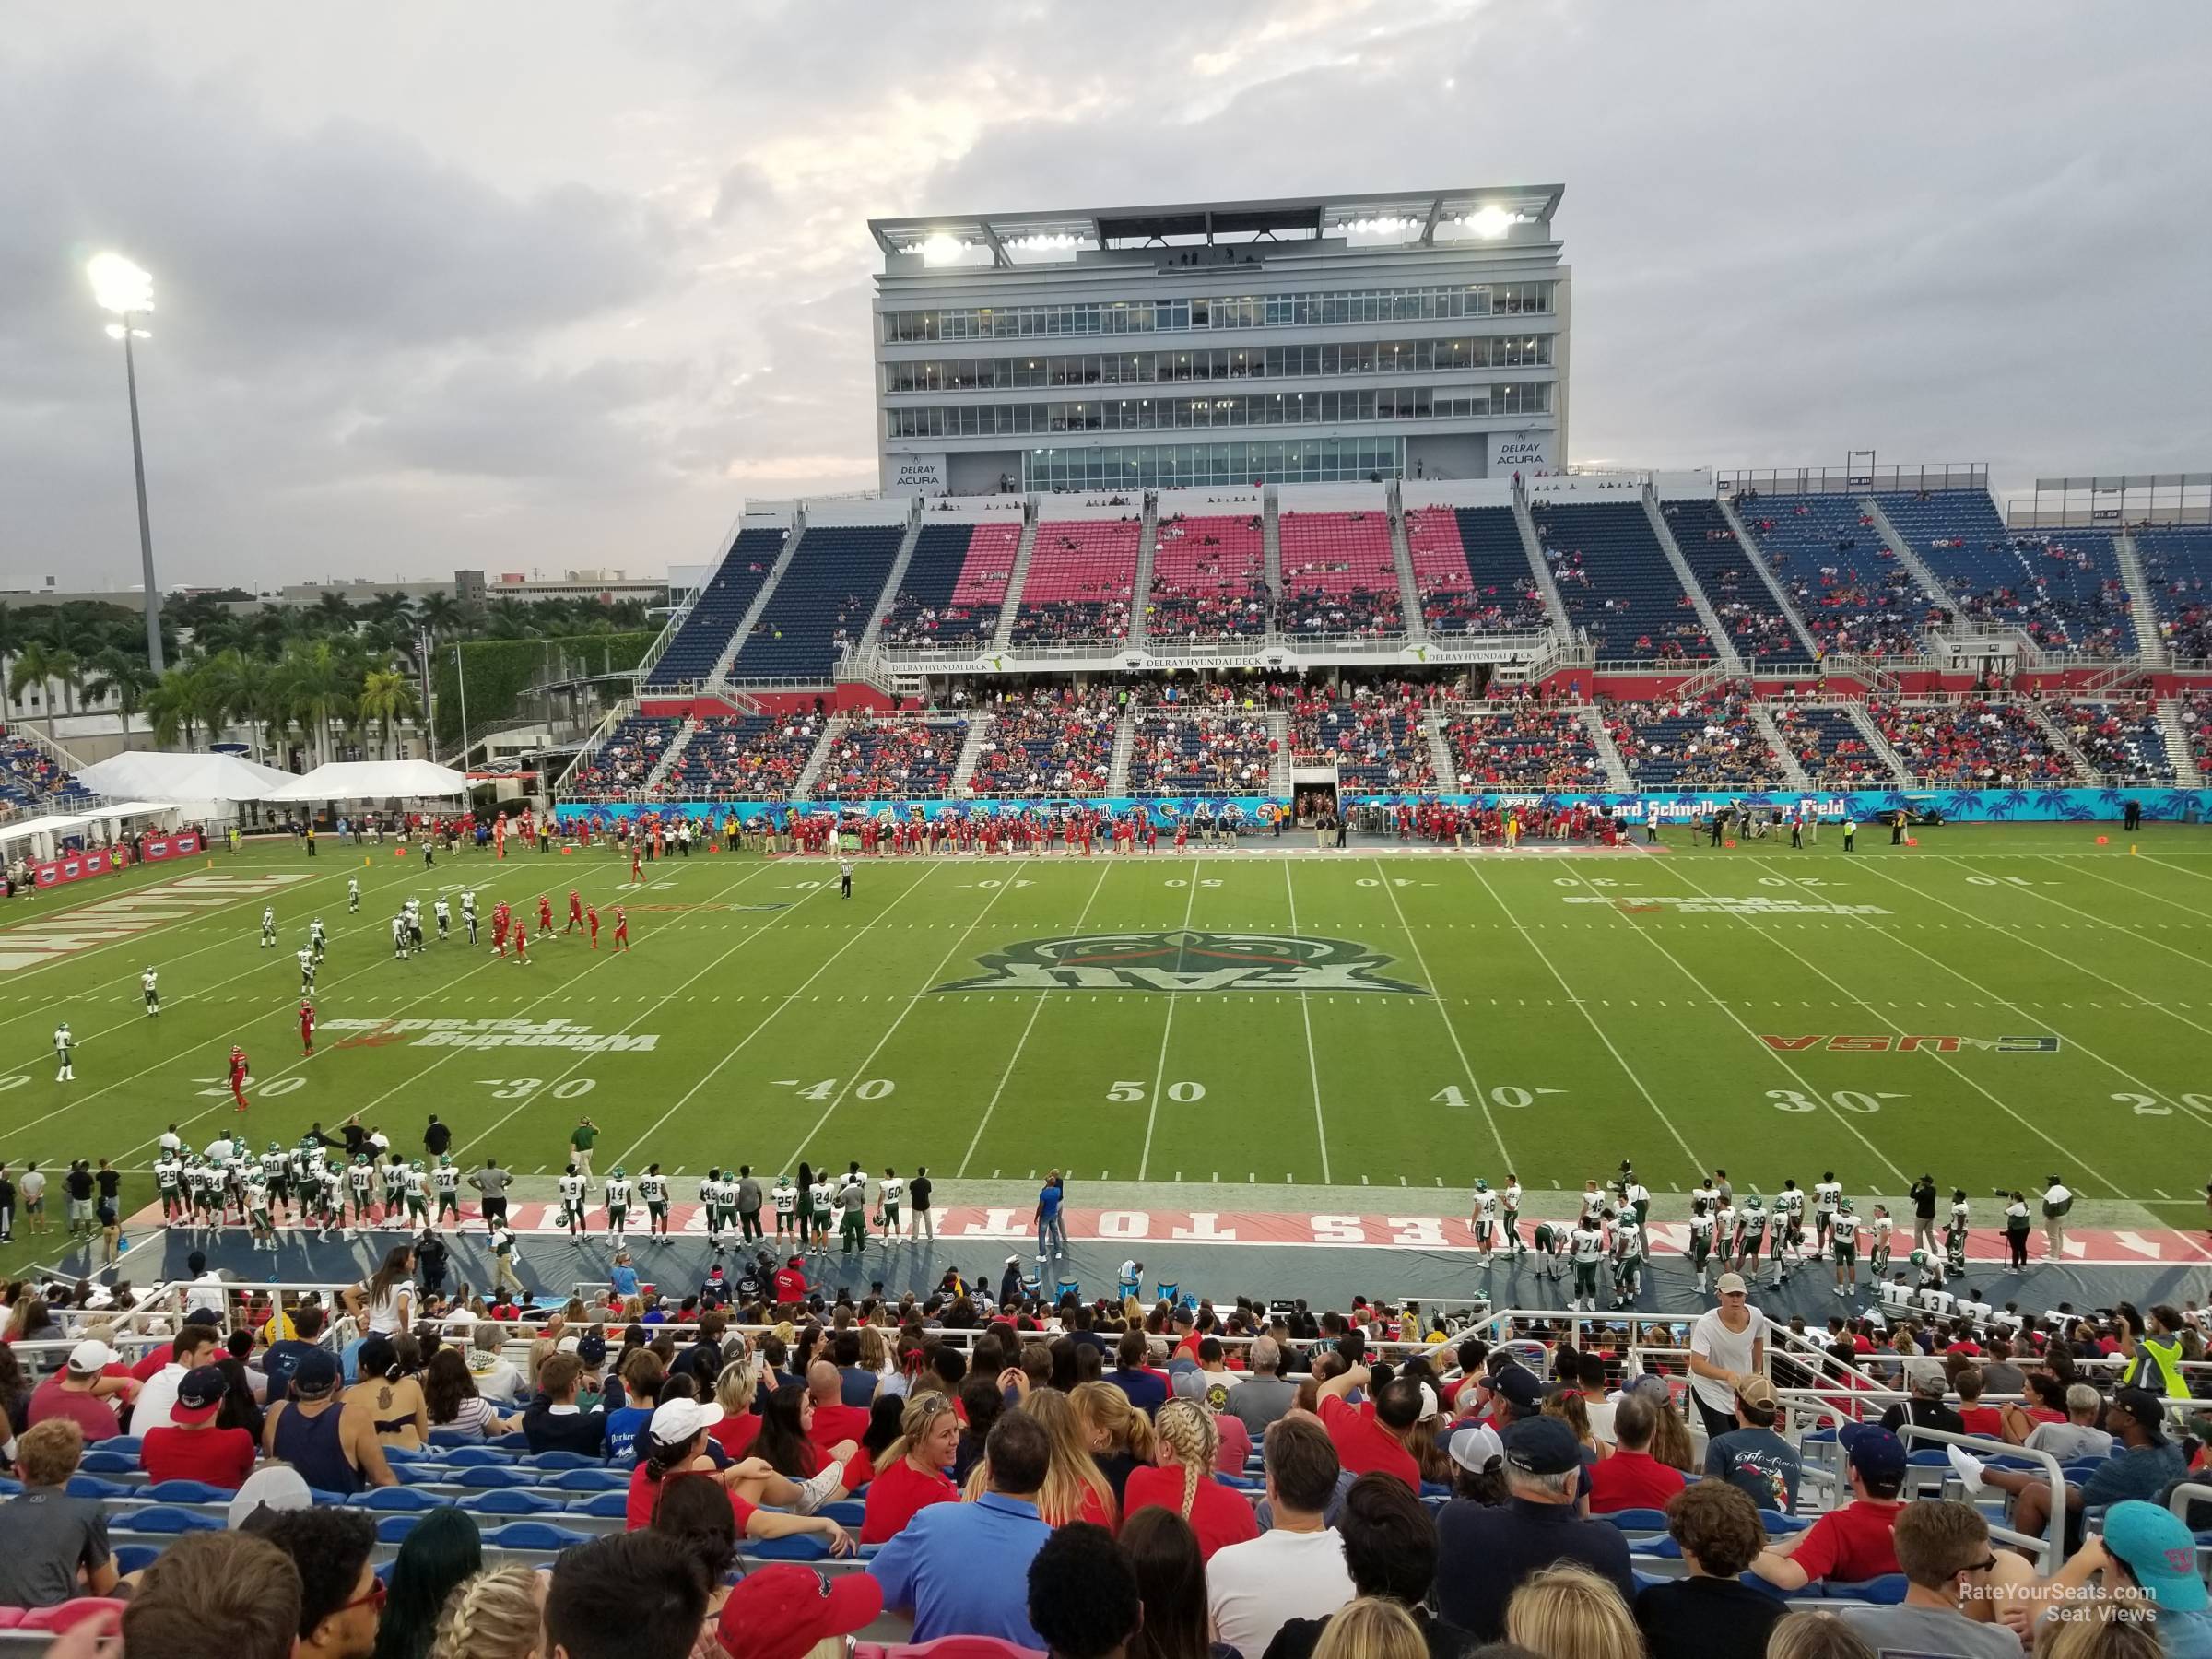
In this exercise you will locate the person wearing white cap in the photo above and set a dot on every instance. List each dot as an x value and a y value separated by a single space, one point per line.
675 1442
81 1393
269 1490
1726 1346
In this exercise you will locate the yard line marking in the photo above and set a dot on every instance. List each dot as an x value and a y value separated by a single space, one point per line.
2138 892
1451 1030
2054 956
1159 1072
1947 1064
1036 1008
1305 1011
936 974
1697 1167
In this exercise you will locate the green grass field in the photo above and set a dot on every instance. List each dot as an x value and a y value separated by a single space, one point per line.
1555 1015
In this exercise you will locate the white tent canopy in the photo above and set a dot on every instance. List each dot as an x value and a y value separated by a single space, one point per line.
371 780
67 823
195 777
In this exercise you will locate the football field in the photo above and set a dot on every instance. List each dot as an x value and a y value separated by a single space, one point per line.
1994 1005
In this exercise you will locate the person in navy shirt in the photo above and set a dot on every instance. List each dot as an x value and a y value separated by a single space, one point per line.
1147 1390
929 1569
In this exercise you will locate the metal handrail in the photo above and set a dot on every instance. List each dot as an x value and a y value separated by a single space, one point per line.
2053 1548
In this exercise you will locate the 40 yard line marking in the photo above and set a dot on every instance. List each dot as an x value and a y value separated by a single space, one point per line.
1036 1008
1451 1030
1697 1169
1159 1072
912 1002
1305 1012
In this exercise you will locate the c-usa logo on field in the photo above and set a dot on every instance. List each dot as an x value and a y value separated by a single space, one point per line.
1185 962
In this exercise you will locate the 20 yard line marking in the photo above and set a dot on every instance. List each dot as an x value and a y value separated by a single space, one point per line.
1159 1072
1305 1011
1036 1008
1451 1030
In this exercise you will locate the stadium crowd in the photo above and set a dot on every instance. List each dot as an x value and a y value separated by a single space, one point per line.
1048 741
1202 753
1521 744
1707 742
1976 740
891 758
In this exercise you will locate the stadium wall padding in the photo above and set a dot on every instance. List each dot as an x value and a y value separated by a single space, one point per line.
1962 806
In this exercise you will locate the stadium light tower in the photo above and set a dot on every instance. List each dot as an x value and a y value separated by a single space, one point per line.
119 286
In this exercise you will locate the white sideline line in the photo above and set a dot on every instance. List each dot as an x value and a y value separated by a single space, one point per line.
1036 1008
1159 1072
2112 926
1305 1012
1697 1167
1451 1030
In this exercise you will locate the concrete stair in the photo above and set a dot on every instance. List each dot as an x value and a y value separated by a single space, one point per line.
1440 752
1724 649
1616 770
1271 548
892 584
2034 708
1124 745
671 755
979 735
2151 646
1903 549
1140 600
1278 774
1792 773
719 675
2186 772
1877 743
1533 544
1744 539
1003 632
833 729
1409 592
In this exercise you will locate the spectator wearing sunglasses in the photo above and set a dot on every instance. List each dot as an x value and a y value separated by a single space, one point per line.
341 1599
1945 1551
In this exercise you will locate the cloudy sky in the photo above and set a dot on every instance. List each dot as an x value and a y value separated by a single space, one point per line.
533 285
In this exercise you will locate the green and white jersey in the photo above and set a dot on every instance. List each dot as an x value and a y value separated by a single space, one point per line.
413 1185
63 1041
357 1177
1789 1203
571 1191
394 1177
334 1185
1513 1198
257 1187
715 1194
1825 1195
653 1190
1588 1246
1701 1237
447 1180
1724 1225
1485 1209
785 1197
817 1198
892 1190
1627 1247
617 1193
169 1175
1844 1230
1879 1230
1593 1204
1959 1215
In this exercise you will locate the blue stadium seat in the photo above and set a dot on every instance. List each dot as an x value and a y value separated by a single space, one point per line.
825 596
1637 1520
596 1479
1780 1525
128 1445
602 1506
397 1500
849 1512
800 1547
135 1558
483 1480
722 604
2063 588
534 1534
1757 627
517 1441
187 1491
101 1461
1885 1591
394 1529
512 1502
566 1460
1855 595
165 1518
1615 581
478 1457
86 1485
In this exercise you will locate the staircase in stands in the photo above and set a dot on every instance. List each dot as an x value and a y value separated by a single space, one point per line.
891 585
1876 742
1124 745
1279 774
719 676
1140 597
1533 544
833 729
2186 772
2150 642
1929 582
1617 771
2034 708
1766 571
1723 646
963 769
1003 633
1271 548
1440 751
1763 724
672 754
1401 553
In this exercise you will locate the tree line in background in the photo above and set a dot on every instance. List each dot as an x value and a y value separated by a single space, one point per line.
330 671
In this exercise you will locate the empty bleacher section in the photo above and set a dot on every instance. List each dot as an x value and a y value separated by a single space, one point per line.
1974 741
1831 747
1761 633
1340 573
2177 564
1209 577
705 633
1048 743
625 759
2062 588
1082 575
1706 742
1375 739
826 595
1615 580
748 757
1525 745
2123 740
891 758
1209 752
955 586
1471 571
1855 595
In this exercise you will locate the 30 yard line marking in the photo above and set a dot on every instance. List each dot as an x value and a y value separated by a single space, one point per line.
935 977
1036 1008
1451 1030
1321 1129
1159 1072
1697 1169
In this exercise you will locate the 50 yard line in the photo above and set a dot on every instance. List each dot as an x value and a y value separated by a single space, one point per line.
1159 1072
1305 1012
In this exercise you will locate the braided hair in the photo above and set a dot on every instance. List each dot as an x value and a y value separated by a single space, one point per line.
492 1616
1187 1428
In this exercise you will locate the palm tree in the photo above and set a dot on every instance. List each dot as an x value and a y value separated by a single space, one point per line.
332 614
180 702
36 663
244 688
319 685
125 677
392 607
508 620
388 696
442 613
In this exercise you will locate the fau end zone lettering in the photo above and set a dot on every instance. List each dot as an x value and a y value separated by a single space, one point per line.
1907 1045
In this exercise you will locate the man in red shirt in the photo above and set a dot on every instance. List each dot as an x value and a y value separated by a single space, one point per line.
307 1027
81 1392
591 918
1979 1419
1372 1437
190 1447
1854 1542
833 1419
1633 1478
575 911
791 1283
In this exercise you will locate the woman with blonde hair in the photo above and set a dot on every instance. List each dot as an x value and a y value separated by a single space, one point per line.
1568 1612
1119 1436
1184 1479
495 1615
1074 1488
1372 1628
909 1475
1816 1636
2103 1629
734 1392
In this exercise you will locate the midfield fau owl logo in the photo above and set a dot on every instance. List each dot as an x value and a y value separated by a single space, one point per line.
1185 962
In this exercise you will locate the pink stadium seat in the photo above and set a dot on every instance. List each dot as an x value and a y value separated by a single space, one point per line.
1081 579
68 1614
1210 578
946 1647
1340 574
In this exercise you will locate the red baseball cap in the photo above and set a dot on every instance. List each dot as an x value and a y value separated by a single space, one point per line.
780 1612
